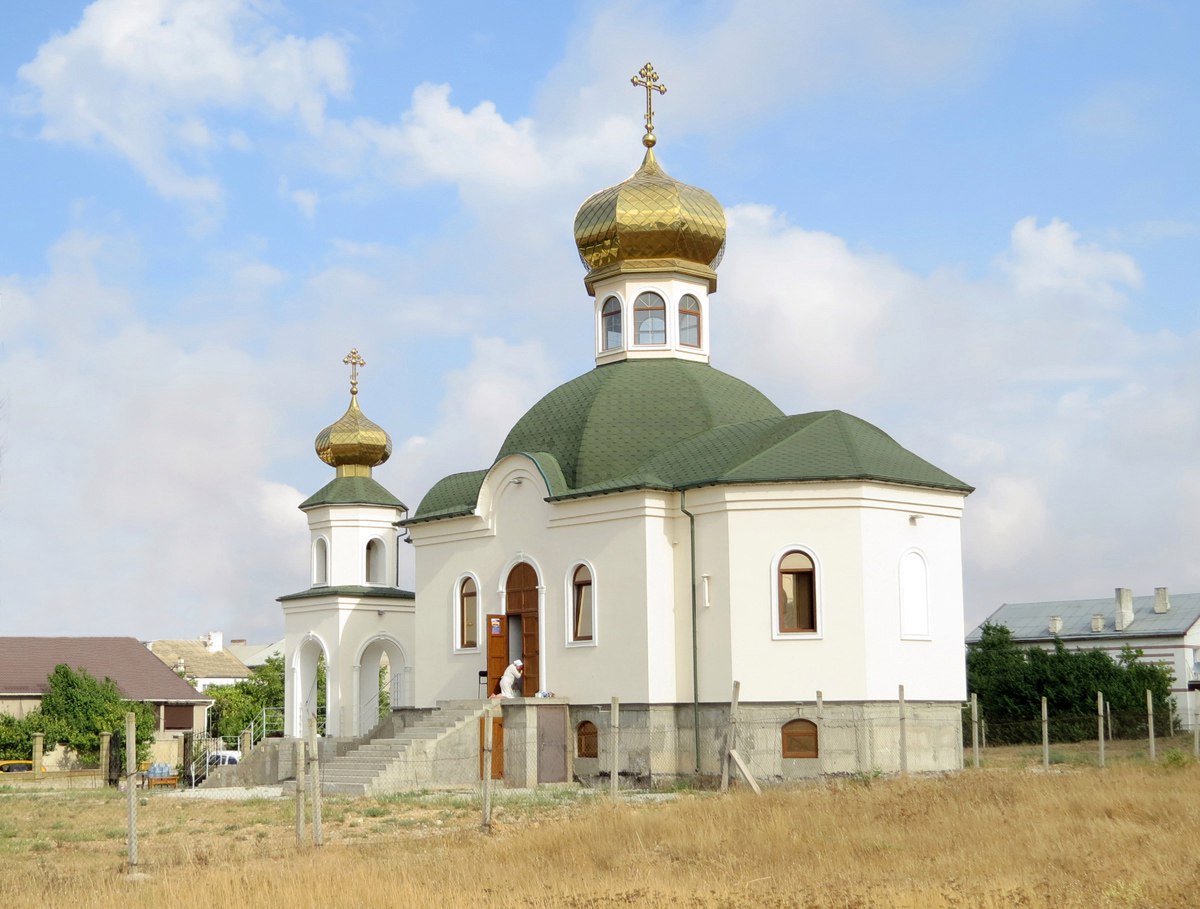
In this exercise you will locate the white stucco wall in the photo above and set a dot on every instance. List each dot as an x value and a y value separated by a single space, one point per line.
638 547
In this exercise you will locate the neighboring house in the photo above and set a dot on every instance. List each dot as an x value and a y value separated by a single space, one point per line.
653 530
254 655
1165 628
202 662
26 665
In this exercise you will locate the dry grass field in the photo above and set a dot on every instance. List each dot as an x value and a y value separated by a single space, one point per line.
1002 836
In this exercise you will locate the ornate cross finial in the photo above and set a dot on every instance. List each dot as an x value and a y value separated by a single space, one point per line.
354 360
649 79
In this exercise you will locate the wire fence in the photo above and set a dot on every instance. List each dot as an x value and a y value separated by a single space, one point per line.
1095 722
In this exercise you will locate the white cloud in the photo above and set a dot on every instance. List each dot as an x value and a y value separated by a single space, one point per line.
138 77
132 467
802 304
1051 260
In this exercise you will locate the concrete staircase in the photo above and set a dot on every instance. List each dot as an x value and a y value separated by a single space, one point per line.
437 748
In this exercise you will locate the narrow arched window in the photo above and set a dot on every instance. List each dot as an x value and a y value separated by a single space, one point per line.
610 323
468 614
583 618
800 739
650 319
587 740
797 594
376 562
689 321
320 562
914 596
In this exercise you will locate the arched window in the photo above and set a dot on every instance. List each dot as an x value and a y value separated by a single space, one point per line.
376 562
583 617
610 323
587 741
650 319
800 739
689 321
797 594
914 596
320 562
468 614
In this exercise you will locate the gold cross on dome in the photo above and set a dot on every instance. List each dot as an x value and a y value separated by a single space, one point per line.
648 78
354 360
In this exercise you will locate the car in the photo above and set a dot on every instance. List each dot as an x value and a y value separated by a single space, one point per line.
16 766
200 768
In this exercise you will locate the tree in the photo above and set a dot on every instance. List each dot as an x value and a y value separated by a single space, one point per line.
77 708
236 706
1010 681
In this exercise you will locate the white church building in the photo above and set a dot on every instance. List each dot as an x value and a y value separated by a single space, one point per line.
654 530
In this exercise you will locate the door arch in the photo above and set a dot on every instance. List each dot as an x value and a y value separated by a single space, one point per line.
522 599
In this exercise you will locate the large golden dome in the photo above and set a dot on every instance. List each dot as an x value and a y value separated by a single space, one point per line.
650 222
353 444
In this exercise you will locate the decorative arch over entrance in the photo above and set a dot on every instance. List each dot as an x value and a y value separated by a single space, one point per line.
522 599
308 700
381 671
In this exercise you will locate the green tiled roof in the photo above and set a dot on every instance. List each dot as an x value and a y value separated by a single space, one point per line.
609 421
673 424
451 496
351 491
350 590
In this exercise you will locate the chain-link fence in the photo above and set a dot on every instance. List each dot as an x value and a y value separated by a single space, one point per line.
1094 722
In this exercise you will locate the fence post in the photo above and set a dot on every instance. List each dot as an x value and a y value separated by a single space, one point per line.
1100 723
105 758
820 734
975 728
299 752
615 726
131 784
1196 735
39 747
1045 735
1150 720
730 735
487 770
315 783
903 737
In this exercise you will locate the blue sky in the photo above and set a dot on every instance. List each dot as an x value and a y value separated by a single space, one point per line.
974 224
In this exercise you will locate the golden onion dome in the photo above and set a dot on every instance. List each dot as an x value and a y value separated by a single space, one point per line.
650 222
353 444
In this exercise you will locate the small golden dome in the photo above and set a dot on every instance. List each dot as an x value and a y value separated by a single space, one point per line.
650 222
353 444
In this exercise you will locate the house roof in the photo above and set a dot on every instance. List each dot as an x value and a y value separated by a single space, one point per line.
351 590
674 424
198 661
352 491
26 664
255 654
1031 621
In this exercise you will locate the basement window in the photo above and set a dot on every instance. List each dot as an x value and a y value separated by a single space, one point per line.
587 740
800 739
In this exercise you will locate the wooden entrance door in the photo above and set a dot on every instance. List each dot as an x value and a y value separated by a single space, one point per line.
497 747
521 598
497 651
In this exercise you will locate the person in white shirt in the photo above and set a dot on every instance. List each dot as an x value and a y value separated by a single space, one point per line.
510 678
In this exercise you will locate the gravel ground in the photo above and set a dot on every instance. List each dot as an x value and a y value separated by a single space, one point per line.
228 794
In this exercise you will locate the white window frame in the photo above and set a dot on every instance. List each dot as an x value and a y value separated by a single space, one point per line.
602 333
569 602
456 614
320 579
928 635
818 582
666 342
366 563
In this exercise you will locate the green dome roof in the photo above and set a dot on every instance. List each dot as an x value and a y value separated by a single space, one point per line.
607 422
675 424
